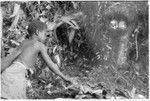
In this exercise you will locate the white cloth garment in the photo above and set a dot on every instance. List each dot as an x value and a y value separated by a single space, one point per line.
13 81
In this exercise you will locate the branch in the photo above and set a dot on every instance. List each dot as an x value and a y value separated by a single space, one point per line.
136 42
1 22
16 15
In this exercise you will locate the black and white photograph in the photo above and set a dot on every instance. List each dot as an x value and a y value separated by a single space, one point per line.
74 49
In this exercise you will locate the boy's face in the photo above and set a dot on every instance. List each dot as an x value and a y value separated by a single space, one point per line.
42 35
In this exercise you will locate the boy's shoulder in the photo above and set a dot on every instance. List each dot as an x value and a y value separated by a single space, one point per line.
40 45
34 43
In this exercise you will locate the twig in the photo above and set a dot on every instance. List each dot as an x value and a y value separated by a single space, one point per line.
16 14
60 90
1 22
136 41
137 52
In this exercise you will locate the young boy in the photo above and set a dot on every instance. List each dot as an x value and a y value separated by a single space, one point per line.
13 81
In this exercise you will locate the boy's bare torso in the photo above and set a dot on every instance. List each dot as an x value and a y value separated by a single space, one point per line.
30 50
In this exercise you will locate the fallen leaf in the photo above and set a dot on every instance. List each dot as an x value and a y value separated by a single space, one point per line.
139 96
49 85
98 91
85 89
49 92
80 96
132 93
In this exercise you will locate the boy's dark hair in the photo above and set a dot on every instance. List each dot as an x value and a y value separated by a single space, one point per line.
34 26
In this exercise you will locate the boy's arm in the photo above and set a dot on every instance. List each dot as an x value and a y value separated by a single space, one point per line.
6 61
52 65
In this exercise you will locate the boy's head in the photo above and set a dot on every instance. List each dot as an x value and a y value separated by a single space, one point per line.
36 28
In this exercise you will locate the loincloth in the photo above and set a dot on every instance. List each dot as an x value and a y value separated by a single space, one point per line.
13 81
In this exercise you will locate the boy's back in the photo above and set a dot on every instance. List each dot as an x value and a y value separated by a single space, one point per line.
30 50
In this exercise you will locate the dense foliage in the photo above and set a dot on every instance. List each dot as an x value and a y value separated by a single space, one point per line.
72 49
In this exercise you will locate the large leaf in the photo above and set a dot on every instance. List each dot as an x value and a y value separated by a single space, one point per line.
69 21
71 35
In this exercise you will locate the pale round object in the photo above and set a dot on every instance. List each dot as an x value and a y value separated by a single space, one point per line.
49 92
122 25
114 24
